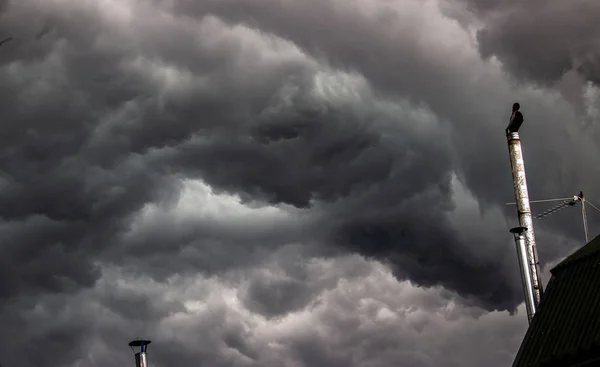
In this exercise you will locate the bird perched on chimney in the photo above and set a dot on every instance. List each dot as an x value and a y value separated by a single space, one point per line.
516 119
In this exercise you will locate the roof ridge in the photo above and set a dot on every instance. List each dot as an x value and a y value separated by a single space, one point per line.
586 251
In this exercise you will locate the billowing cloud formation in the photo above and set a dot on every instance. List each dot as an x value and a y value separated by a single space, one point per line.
546 42
242 144
562 37
355 313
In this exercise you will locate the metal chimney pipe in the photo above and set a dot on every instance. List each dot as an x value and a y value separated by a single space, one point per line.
524 211
141 358
521 245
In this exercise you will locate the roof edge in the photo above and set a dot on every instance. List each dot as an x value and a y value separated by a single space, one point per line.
583 253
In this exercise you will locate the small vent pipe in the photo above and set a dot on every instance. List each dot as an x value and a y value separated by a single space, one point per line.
141 357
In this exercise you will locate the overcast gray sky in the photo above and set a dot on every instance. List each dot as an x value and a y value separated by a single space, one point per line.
284 182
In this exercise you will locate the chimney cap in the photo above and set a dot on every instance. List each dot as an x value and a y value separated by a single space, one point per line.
518 230
139 343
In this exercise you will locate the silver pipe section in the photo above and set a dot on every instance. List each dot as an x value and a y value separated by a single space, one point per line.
585 223
141 360
521 244
524 212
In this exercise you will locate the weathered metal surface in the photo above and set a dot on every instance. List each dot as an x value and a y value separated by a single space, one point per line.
524 212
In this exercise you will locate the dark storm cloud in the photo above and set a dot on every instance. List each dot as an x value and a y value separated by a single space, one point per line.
292 283
416 252
211 236
387 52
106 114
45 332
3 5
61 165
122 142
333 154
134 305
363 317
342 159
76 165
541 40
547 43
480 148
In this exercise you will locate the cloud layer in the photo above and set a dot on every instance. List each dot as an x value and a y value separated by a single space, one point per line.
284 183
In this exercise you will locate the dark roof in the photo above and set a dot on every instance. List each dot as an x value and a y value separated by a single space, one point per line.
565 330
